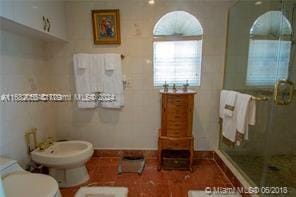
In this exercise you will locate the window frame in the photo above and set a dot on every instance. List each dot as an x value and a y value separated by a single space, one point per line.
268 36
253 83
165 38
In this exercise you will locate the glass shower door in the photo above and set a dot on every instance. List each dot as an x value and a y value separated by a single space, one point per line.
261 61
280 159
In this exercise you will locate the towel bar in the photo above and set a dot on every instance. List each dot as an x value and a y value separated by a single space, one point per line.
260 98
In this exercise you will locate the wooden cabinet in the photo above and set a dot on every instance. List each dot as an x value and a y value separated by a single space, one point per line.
176 123
44 17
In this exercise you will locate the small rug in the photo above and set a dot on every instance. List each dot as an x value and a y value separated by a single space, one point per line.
209 194
102 192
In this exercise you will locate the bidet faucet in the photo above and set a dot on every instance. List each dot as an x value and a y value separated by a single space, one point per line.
46 144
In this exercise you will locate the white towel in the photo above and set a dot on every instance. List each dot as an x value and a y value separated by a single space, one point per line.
246 113
82 61
111 60
112 82
230 103
96 73
82 65
227 103
223 96
229 121
101 191
252 112
229 127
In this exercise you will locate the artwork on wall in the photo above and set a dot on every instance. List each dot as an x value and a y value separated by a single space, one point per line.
106 26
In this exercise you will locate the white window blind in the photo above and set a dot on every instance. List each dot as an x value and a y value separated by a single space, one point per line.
177 49
268 62
177 61
178 23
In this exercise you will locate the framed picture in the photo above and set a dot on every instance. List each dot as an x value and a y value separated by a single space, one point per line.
106 26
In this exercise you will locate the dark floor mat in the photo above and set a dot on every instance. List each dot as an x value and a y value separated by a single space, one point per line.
131 165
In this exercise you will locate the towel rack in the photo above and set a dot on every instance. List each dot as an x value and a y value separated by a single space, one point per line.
255 96
260 98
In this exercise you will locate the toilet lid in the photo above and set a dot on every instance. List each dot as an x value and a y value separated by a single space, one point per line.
30 185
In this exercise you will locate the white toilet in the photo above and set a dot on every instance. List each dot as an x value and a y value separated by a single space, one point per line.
18 182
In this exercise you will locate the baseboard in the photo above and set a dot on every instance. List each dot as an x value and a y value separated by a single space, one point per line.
146 153
120 153
227 171
232 173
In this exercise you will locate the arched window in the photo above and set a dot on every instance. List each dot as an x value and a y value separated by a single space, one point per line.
177 49
269 49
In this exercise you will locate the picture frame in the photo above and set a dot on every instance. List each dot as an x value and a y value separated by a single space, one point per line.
106 26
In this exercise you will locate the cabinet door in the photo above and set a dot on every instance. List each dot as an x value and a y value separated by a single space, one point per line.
190 108
7 9
177 115
164 115
29 13
55 14
33 13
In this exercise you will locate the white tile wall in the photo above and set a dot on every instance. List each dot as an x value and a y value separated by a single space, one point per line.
23 69
135 126
29 65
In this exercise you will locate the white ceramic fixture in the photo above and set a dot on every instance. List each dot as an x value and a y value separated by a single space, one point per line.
18 182
66 161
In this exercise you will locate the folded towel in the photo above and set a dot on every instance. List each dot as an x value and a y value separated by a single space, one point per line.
96 73
223 96
111 60
246 112
112 84
102 191
82 61
230 103
227 103
228 114
82 77
252 112
229 128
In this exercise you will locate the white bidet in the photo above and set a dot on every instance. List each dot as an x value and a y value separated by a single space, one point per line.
66 161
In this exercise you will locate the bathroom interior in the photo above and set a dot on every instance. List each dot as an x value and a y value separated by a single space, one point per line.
199 98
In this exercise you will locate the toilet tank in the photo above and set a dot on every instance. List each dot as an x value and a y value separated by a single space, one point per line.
8 166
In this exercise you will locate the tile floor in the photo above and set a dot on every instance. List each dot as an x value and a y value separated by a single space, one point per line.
153 183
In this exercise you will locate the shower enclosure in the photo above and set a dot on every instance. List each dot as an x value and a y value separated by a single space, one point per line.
261 61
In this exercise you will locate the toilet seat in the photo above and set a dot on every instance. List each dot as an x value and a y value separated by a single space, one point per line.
30 185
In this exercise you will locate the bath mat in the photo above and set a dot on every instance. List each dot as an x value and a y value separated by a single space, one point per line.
204 194
102 192
131 164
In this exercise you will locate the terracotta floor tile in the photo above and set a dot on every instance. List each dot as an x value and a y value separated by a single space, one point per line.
154 190
153 183
67 192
